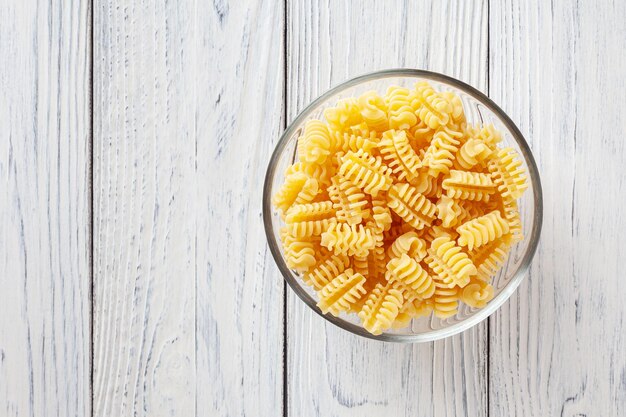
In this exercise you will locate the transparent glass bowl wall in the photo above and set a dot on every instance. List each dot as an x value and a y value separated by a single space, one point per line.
478 109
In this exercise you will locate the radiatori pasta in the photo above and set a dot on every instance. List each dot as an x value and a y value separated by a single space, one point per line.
397 208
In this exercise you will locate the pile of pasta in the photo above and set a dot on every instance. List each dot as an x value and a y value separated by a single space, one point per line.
397 208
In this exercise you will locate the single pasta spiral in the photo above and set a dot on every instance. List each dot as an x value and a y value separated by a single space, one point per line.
320 172
310 219
482 230
466 185
366 172
487 134
353 142
448 211
299 254
508 174
488 258
408 243
420 135
440 153
399 155
457 114
433 108
446 301
353 240
428 185
325 270
436 231
412 206
381 308
471 153
477 294
374 111
512 216
340 293
450 263
380 213
316 143
298 188
348 200
408 271
401 114
344 115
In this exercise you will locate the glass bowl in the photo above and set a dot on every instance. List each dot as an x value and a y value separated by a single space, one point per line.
479 109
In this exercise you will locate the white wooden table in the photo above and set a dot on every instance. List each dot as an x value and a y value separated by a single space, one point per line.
135 279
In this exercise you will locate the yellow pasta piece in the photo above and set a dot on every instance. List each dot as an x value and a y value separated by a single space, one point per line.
401 114
457 114
490 257
316 143
348 200
421 307
299 254
450 263
310 219
432 233
353 240
468 185
508 174
448 211
440 153
509 210
363 130
408 243
446 301
346 142
428 185
365 172
381 308
420 135
477 294
412 309
374 111
482 230
408 271
298 188
487 134
472 152
340 293
470 210
325 270
344 115
433 108
412 206
321 173
453 212
380 212
399 155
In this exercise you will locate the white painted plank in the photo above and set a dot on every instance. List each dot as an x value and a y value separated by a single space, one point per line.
181 148
557 347
144 208
239 304
331 372
44 208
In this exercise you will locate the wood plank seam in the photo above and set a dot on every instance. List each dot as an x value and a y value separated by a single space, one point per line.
285 286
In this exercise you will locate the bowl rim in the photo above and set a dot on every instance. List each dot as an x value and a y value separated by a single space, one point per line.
523 266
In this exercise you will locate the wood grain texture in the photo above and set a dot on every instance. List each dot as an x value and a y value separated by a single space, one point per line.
331 372
239 318
144 209
188 307
557 347
44 208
